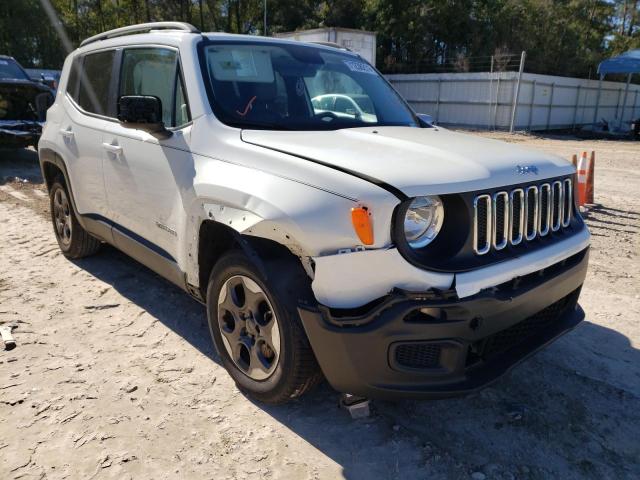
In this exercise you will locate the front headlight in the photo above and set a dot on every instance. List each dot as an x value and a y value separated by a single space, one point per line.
423 221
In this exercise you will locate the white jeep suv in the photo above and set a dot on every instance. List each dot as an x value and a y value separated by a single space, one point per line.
390 256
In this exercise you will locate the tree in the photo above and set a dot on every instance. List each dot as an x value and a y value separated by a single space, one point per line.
565 37
26 35
627 20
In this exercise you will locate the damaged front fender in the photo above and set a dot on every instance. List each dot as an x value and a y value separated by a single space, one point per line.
244 223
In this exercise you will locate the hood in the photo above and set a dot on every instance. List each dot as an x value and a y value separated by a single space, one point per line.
417 161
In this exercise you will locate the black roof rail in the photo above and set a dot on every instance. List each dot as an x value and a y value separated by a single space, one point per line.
141 28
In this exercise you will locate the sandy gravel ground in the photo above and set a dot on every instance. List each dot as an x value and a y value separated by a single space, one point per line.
114 375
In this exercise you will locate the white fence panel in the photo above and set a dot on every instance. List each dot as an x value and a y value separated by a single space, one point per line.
486 100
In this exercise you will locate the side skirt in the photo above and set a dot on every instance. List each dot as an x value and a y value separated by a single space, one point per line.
138 248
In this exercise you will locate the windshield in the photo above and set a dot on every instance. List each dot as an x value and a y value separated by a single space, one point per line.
10 69
298 87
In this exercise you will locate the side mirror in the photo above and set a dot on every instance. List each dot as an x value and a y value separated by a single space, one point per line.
143 112
425 119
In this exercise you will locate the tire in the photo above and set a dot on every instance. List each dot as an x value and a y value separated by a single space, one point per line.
291 370
74 241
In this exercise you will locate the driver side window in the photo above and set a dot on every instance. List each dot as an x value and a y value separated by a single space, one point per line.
156 72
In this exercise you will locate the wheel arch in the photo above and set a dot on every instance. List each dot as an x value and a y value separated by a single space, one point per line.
216 238
52 166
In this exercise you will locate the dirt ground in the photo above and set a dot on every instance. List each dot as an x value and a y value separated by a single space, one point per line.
114 375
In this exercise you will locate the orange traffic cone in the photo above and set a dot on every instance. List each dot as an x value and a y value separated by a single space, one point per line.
582 179
574 160
590 175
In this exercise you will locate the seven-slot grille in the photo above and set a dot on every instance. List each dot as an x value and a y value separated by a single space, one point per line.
511 217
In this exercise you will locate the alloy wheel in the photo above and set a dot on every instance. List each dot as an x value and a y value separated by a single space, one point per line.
62 216
249 327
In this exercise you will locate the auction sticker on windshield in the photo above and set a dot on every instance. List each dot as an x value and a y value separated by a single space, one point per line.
359 67
240 64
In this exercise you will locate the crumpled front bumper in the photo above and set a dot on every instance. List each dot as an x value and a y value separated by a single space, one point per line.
435 344
353 279
19 133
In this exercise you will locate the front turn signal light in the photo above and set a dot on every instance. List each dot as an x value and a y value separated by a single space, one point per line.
361 219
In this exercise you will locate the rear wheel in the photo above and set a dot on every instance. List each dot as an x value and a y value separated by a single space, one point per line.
257 331
74 241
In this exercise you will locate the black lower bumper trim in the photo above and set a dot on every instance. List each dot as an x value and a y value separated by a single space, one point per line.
412 345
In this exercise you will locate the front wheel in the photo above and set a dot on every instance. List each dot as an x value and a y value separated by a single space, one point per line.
257 331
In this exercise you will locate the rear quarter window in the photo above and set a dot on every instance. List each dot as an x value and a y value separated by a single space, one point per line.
74 79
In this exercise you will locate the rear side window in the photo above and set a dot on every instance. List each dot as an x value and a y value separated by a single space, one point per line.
154 71
95 81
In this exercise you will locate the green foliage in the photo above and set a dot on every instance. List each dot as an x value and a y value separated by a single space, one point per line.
626 35
566 37
26 34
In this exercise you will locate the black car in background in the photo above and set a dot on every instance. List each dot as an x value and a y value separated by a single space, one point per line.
23 105
51 78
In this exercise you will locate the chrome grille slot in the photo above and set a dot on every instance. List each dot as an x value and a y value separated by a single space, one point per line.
557 199
482 224
523 214
516 214
544 209
500 231
567 205
531 212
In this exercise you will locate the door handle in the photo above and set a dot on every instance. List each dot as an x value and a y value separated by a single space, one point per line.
116 149
66 133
